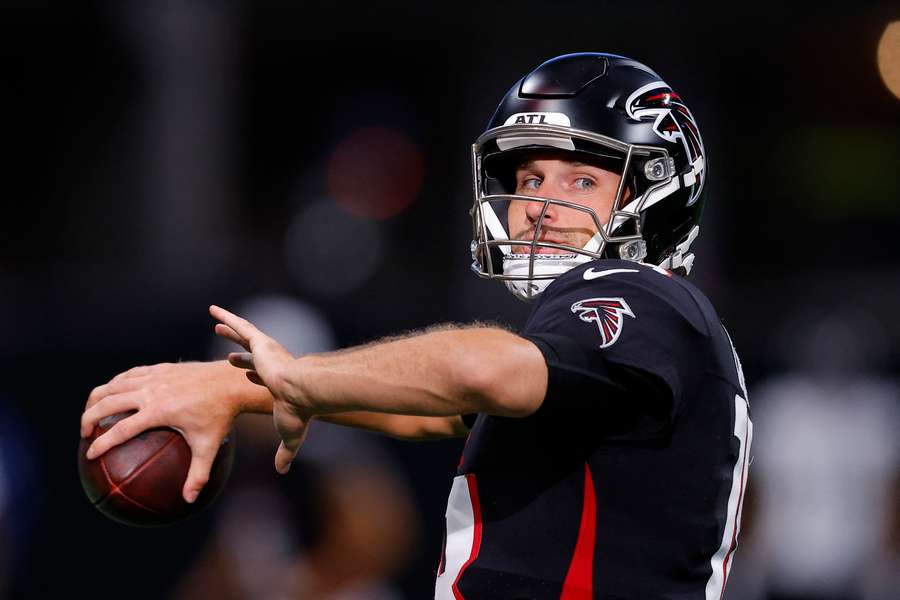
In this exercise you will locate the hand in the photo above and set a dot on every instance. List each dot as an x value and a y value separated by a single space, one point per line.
193 398
267 363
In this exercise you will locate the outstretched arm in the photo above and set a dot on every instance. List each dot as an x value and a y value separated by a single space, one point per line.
411 388
446 372
439 373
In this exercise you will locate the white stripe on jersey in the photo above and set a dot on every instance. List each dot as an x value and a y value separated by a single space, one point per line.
743 430
460 537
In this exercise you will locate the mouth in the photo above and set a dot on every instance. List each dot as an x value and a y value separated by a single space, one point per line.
548 237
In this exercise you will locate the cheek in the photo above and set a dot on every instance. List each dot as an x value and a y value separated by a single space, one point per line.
579 219
516 215
602 203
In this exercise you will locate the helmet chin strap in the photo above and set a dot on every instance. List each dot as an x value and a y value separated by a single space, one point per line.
552 265
545 265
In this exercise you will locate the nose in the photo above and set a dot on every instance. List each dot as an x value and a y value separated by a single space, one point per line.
534 208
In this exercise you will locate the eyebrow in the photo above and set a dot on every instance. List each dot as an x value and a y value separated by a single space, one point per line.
574 163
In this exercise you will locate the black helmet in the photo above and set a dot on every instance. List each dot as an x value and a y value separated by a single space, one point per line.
604 108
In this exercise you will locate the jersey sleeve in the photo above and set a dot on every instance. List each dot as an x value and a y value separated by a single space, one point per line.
616 348
469 419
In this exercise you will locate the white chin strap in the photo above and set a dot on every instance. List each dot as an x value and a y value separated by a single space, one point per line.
552 265
515 264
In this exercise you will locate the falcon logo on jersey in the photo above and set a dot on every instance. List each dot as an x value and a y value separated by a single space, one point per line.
606 313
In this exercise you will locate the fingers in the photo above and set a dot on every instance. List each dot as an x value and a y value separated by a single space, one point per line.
244 328
123 382
132 372
255 378
288 449
284 457
202 457
110 405
121 432
242 360
230 334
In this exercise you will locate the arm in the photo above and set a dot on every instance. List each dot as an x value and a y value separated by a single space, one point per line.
201 401
233 387
257 399
422 374
438 373
217 391
248 397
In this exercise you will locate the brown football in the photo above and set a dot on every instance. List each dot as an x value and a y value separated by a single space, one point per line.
139 482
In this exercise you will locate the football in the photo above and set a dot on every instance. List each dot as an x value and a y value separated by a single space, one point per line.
139 482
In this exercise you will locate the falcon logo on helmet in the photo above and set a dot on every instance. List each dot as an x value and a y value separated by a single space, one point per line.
606 313
674 122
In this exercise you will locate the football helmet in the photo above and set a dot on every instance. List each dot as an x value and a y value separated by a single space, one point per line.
607 110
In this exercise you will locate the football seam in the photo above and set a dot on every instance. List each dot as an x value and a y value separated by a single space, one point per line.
128 498
117 487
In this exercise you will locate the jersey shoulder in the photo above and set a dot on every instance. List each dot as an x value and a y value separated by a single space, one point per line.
648 288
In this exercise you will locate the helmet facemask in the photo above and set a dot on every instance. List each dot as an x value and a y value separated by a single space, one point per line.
647 176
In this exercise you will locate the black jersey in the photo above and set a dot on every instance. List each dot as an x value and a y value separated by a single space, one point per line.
628 480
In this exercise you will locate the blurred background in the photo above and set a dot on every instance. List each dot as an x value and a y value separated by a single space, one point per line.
307 164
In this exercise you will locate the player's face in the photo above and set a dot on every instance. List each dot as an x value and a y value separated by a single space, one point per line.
576 182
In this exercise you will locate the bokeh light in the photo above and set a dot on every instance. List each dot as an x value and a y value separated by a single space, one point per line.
889 57
298 326
330 252
375 172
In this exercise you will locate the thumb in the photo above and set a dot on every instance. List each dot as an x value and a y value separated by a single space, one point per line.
287 452
201 462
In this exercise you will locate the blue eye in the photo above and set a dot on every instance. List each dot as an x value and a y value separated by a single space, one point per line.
584 183
531 183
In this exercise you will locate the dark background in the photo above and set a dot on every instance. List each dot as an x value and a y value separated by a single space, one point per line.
163 156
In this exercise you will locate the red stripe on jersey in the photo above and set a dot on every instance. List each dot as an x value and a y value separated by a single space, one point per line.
462 455
476 538
579 583
737 519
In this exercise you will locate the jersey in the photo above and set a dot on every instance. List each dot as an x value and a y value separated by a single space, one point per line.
628 481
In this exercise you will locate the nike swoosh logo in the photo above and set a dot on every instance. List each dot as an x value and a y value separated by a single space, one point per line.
592 274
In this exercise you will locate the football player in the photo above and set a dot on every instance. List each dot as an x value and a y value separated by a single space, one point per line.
608 441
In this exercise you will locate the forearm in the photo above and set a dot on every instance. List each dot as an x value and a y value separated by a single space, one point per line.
244 395
442 373
252 398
